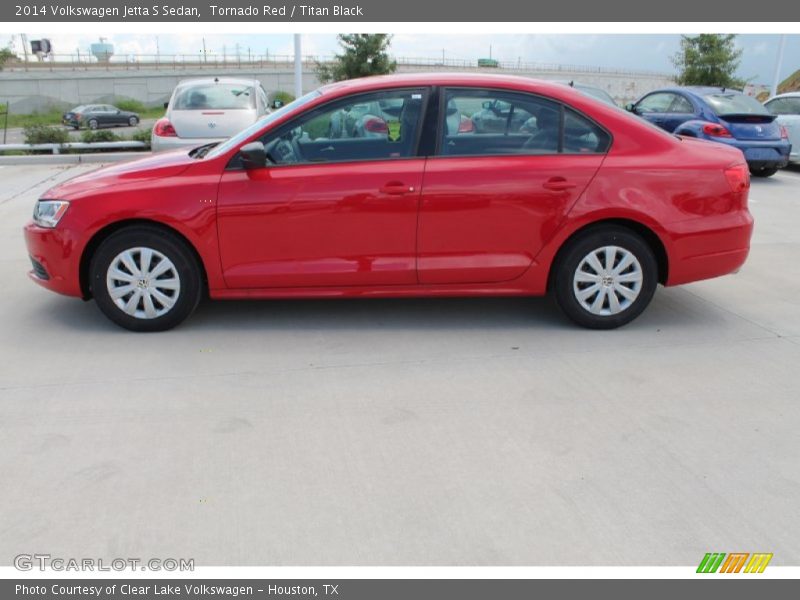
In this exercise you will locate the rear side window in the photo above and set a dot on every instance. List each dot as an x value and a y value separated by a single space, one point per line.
784 106
491 122
215 96
734 104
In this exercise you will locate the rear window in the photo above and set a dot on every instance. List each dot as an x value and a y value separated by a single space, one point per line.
734 104
215 96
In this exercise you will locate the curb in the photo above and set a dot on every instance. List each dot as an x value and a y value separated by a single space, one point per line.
71 159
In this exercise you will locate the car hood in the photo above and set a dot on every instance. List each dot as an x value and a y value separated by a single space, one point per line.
165 164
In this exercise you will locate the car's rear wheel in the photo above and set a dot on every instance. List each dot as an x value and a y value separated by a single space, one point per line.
605 277
763 172
93 124
133 121
145 279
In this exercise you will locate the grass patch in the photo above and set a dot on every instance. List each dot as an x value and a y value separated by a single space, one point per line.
50 117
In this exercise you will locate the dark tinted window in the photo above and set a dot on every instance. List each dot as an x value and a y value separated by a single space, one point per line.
365 127
491 122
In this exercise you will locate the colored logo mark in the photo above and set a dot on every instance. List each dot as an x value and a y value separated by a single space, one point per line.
735 562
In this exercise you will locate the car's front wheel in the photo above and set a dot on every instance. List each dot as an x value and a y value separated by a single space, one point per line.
763 172
605 277
145 279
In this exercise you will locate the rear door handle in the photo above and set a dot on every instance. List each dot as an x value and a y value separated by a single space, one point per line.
397 188
558 184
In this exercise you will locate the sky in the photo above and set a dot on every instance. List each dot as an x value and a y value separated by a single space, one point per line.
648 52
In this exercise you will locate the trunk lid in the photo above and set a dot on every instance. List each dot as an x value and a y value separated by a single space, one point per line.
752 127
211 123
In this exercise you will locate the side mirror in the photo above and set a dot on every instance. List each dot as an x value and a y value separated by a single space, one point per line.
166 105
487 104
276 104
630 107
254 156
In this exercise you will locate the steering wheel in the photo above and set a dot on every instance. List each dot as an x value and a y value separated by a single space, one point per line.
282 151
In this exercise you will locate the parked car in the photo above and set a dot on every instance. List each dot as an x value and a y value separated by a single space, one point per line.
208 110
786 107
591 90
594 206
95 116
720 115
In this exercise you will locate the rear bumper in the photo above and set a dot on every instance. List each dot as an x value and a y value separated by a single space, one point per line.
160 144
772 154
699 252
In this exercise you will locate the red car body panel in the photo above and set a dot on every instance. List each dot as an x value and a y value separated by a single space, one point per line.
410 227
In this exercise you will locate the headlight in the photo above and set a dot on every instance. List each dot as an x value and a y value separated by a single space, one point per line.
48 213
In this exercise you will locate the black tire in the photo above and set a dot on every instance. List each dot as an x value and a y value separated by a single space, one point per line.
92 124
169 245
133 121
763 172
570 258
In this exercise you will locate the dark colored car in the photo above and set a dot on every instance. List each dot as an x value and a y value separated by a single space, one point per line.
95 116
720 115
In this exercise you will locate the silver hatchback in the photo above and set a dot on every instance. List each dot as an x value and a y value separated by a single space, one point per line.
203 111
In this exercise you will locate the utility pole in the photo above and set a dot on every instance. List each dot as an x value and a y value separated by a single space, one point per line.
778 64
205 54
298 67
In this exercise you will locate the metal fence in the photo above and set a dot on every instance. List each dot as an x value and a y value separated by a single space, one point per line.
249 60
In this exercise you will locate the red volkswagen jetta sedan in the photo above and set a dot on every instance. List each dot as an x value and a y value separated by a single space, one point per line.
412 185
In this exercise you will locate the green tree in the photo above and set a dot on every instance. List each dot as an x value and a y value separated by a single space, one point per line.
708 59
364 54
6 55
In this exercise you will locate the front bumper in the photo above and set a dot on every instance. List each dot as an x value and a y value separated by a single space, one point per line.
55 259
160 144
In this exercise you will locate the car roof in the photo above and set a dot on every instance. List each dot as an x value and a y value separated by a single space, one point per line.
442 79
785 95
698 90
212 80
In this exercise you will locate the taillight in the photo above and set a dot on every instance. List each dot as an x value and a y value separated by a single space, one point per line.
738 177
163 128
466 125
715 130
784 133
376 125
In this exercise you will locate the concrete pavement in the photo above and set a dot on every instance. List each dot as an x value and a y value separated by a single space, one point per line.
406 432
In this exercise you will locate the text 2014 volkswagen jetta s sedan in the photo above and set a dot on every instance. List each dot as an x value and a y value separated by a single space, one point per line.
578 198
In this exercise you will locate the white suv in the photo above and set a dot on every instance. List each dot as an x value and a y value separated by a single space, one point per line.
207 110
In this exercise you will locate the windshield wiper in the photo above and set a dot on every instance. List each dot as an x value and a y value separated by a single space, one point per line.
201 151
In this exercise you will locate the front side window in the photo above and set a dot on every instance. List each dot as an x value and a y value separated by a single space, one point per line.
681 105
491 122
656 103
215 96
376 126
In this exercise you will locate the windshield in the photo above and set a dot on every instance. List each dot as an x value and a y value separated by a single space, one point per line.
240 137
597 93
734 104
215 96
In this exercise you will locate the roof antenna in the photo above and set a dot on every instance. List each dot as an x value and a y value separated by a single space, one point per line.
572 83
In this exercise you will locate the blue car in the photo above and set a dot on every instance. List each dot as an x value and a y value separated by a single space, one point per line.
720 115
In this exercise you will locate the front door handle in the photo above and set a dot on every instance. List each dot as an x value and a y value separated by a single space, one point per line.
397 188
558 184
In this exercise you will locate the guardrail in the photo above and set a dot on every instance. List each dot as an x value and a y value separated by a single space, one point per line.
57 148
248 60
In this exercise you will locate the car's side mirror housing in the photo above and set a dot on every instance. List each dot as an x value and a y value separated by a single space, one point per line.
487 104
254 156
166 105
276 104
630 107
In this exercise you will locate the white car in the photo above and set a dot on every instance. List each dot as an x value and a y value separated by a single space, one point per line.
203 111
787 107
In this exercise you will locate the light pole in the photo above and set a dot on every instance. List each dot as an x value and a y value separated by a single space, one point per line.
298 67
778 63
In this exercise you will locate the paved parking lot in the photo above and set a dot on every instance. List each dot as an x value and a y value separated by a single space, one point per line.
406 432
